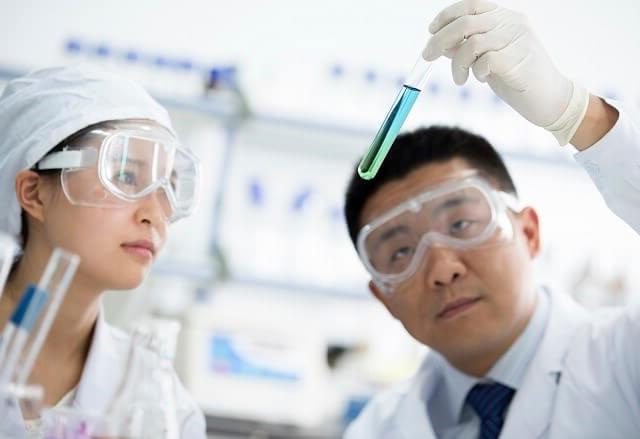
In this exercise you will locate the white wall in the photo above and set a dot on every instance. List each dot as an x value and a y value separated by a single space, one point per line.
594 41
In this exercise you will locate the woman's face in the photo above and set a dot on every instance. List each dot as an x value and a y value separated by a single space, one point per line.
116 245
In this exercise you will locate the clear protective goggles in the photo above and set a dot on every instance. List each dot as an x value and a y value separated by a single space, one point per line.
121 162
462 214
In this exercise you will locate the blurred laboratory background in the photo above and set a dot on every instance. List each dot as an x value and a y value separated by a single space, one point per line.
280 337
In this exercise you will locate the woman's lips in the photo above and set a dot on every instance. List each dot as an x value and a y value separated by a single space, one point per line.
143 249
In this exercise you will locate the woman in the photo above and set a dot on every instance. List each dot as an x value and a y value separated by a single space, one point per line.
89 163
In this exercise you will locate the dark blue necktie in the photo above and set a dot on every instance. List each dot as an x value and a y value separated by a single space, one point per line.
490 402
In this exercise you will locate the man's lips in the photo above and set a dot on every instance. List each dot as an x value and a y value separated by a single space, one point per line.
457 306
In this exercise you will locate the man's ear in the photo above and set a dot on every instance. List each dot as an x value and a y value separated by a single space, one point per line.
30 192
381 296
530 226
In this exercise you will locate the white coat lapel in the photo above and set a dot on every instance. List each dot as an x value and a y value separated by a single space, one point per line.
411 419
103 370
531 410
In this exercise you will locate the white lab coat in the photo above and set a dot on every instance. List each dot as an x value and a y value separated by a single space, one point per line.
101 378
600 394
613 164
401 412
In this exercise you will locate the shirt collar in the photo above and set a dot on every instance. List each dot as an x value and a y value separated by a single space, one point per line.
510 368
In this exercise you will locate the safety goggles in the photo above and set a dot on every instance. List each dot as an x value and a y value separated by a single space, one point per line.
122 162
462 214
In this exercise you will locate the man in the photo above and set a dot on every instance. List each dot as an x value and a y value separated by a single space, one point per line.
598 384
600 395
450 253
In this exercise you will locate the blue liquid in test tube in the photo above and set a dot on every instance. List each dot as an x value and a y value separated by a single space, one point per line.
388 131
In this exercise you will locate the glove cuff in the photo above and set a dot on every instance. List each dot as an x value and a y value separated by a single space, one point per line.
567 124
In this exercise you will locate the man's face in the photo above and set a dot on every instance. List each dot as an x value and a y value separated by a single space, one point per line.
461 303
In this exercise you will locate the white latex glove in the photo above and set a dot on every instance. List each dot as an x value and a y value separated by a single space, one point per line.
502 50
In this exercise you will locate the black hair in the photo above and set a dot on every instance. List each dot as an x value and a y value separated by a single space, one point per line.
413 150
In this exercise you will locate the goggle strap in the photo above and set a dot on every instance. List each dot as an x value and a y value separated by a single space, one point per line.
76 158
511 201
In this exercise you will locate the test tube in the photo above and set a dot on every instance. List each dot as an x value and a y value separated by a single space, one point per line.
388 131
55 281
8 250
32 319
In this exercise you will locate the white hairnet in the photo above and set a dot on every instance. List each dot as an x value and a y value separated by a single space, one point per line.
41 109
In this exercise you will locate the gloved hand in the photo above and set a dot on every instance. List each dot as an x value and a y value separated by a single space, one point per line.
500 47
